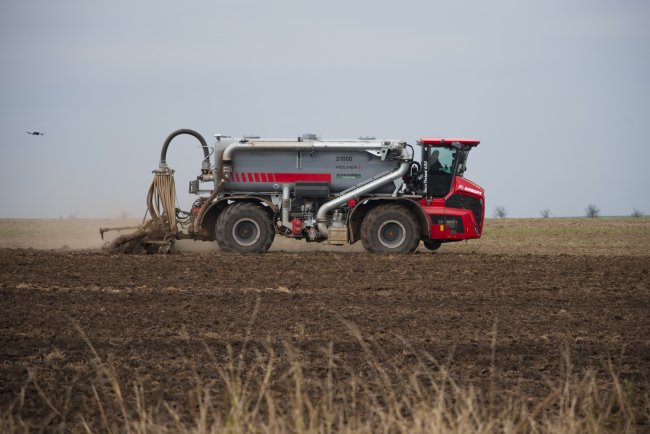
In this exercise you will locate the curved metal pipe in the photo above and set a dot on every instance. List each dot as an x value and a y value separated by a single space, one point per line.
199 137
321 215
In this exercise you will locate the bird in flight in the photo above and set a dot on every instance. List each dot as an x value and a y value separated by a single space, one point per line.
35 133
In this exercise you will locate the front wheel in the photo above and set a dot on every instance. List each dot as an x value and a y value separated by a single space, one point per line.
244 227
432 244
390 229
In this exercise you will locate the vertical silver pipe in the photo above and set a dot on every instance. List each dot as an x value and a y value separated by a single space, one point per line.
286 204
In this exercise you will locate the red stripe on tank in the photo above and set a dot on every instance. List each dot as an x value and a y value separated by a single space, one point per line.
295 177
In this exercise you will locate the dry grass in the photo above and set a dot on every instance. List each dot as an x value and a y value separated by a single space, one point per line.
271 394
552 236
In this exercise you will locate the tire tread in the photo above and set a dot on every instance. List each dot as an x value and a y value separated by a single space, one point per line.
376 215
234 212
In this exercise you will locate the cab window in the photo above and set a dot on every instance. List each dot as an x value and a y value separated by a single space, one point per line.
440 170
442 159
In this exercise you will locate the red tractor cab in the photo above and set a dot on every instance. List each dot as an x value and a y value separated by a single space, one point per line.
455 205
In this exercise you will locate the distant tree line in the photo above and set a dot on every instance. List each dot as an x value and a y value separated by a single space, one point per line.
592 211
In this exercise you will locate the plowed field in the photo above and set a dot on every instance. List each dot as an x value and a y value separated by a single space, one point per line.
510 323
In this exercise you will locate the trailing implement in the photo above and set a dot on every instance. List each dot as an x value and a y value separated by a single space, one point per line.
382 192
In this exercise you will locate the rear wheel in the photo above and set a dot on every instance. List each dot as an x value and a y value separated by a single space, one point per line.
390 229
244 227
220 231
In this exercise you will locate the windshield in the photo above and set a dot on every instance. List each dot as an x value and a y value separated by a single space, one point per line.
442 159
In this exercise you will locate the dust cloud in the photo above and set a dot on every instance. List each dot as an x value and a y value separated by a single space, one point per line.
83 234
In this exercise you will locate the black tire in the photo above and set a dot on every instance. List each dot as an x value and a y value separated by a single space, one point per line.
244 227
390 229
220 231
432 244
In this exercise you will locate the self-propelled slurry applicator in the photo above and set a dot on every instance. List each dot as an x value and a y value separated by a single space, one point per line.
386 193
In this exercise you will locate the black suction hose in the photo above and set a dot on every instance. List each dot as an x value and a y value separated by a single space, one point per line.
219 181
199 137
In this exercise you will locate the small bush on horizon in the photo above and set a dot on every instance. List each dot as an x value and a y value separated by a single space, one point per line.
592 211
500 212
637 213
545 213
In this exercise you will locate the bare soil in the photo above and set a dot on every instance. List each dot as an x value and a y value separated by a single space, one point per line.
167 321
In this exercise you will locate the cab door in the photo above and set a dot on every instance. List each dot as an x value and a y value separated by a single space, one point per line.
440 170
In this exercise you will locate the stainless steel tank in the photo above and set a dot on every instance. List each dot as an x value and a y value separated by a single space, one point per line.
339 164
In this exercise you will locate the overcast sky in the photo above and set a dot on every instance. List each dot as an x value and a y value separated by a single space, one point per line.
558 92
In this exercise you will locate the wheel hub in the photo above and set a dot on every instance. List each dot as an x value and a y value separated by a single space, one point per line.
391 234
246 232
